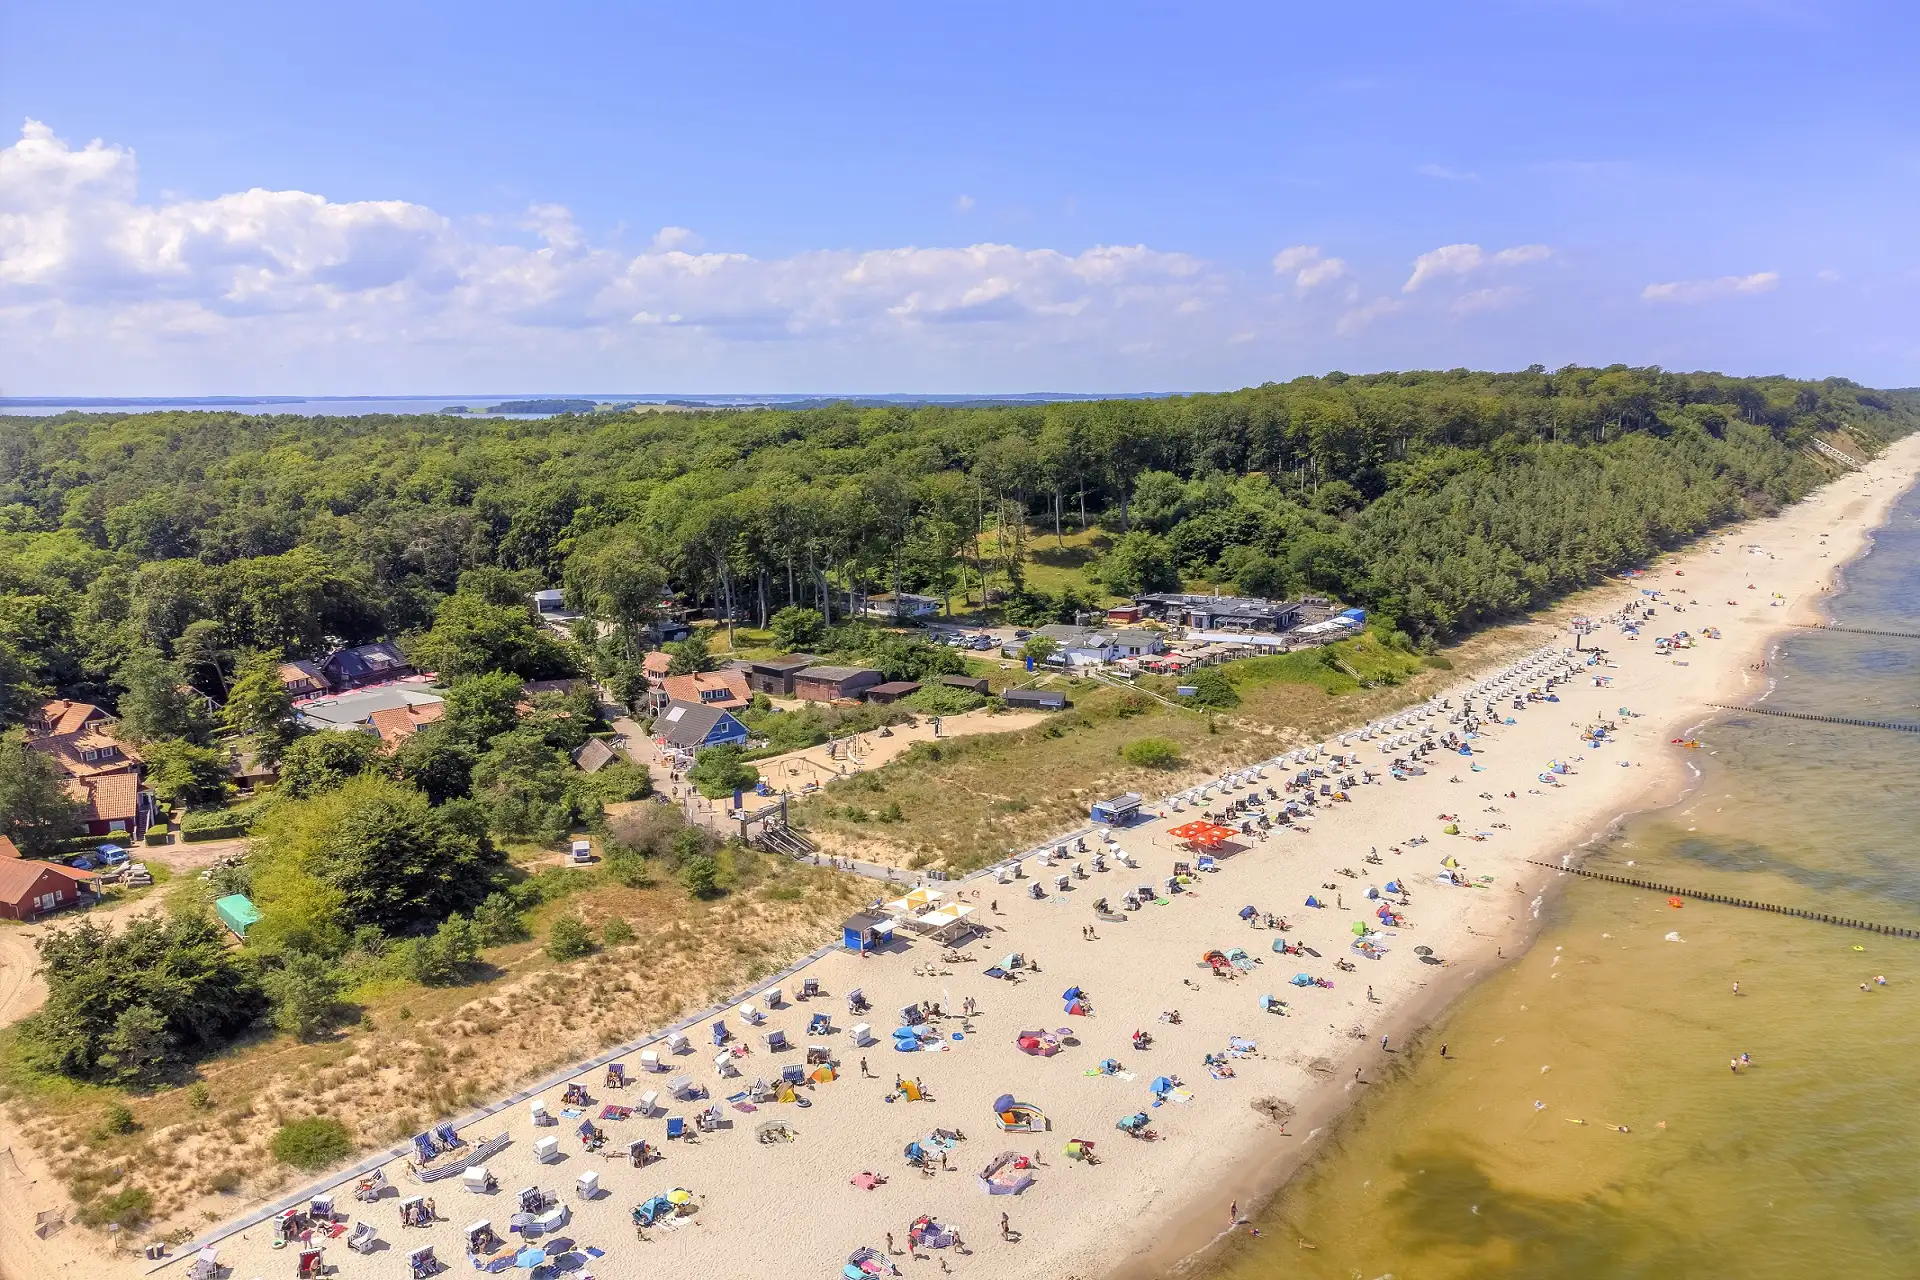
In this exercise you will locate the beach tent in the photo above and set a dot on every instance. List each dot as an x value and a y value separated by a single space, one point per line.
1248 913
929 1234
912 904
1301 979
1040 1044
1393 886
1314 902
864 1263
1161 1086
1018 1117
1007 1174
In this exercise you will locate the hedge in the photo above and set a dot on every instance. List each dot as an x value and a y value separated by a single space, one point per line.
189 836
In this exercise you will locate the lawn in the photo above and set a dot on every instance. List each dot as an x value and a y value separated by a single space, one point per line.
965 803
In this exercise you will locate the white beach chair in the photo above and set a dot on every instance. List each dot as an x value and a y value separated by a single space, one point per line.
546 1150
648 1101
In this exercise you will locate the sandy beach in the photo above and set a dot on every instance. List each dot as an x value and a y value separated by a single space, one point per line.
791 1208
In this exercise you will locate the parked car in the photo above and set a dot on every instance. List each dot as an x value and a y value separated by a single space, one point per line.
110 855
1021 633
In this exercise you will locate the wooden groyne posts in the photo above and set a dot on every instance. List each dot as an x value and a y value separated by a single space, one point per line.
1856 631
1895 725
1728 900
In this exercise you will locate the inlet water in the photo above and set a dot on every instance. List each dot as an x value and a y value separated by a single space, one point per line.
1587 1122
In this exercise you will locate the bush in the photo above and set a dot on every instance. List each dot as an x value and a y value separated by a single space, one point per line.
196 834
313 1143
125 1209
1152 753
616 932
944 700
718 772
1212 688
569 939
118 1120
701 876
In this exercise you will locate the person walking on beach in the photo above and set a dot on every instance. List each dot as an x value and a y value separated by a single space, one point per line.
1443 1048
1383 1045
1736 988
890 1248
1006 1231
1233 1215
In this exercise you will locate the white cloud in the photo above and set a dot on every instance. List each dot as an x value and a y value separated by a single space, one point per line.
1827 277
81 255
1465 259
1309 269
1357 319
1495 299
1445 174
964 204
1689 291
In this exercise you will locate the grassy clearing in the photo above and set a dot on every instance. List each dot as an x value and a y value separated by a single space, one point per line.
416 1054
964 803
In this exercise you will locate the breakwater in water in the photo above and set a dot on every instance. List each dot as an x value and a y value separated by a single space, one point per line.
1703 895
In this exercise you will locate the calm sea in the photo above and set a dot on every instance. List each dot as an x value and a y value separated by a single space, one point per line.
1588 1123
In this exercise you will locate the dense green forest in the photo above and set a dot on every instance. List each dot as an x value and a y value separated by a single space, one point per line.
164 563
1439 500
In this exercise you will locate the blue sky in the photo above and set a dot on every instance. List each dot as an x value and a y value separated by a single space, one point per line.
479 197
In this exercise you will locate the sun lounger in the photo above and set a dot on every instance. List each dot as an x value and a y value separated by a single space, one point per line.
477 1179
676 1127
682 1087
206 1264
648 1101
650 1061
862 1034
546 1149
819 1025
537 1113
677 1042
616 1075
775 997
777 1041
720 1034
364 1238
809 988
421 1263
447 1138
587 1185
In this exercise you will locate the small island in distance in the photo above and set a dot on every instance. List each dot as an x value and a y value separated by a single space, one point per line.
529 406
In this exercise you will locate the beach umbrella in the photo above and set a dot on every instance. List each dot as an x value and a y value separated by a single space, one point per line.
1360 926
528 1259
679 1195
1423 951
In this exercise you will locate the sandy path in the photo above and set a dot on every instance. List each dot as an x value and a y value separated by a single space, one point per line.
788 1209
